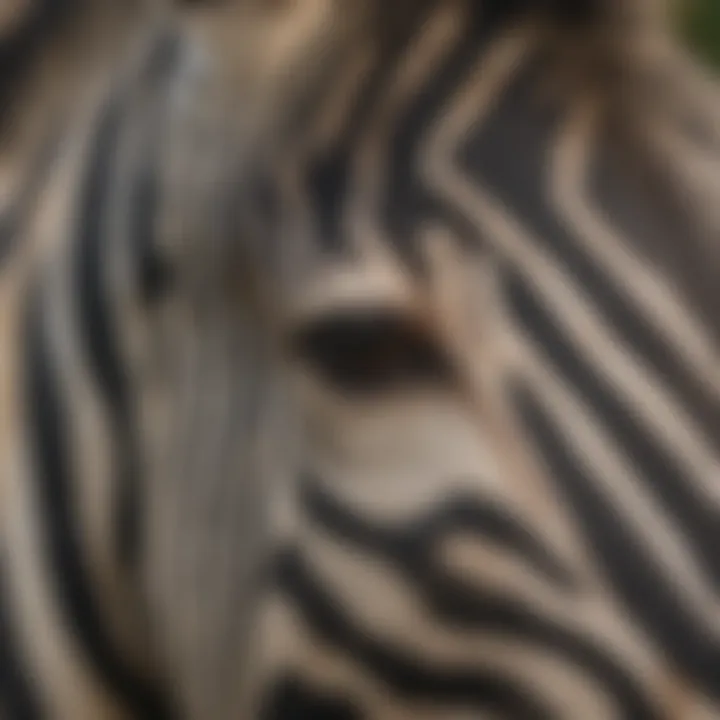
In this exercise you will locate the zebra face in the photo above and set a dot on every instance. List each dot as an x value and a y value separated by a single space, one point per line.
344 502
368 370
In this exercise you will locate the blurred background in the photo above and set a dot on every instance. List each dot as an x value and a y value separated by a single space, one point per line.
699 22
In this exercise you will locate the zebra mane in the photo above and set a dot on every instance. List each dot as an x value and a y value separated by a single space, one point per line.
625 47
623 44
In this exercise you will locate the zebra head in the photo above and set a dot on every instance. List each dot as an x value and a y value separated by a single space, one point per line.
416 307
433 408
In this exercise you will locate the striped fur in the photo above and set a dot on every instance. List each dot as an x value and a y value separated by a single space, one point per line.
363 363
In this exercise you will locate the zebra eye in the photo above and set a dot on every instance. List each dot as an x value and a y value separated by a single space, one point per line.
372 351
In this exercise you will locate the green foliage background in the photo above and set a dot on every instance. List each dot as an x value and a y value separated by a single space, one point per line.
700 23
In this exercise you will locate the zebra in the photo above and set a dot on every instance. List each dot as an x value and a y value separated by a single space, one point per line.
361 362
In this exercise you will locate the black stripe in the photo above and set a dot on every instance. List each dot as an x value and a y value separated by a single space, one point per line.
50 452
153 272
18 699
8 234
405 675
412 542
292 699
95 319
464 606
22 49
634 574
96 322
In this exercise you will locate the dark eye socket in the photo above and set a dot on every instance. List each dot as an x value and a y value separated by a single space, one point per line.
372 351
